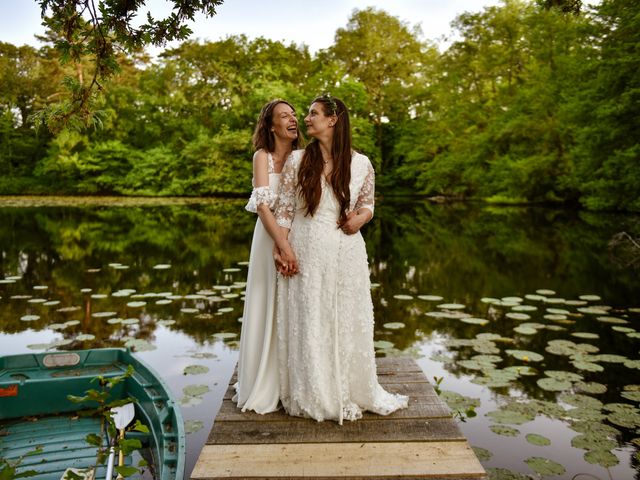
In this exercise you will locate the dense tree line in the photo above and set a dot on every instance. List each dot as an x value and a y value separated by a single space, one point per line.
533 101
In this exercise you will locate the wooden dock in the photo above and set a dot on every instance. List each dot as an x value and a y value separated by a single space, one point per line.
422 441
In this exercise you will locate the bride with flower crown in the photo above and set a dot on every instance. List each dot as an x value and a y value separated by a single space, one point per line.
324 311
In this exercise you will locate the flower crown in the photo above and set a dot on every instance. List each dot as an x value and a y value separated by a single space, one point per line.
330 101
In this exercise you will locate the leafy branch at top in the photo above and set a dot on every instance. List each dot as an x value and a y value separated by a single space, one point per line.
100 30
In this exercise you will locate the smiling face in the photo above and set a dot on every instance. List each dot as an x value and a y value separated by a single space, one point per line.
284 122
317 122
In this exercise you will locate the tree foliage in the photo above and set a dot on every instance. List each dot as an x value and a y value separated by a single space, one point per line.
532 102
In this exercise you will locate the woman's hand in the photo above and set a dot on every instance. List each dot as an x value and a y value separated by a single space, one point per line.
286 261
355 221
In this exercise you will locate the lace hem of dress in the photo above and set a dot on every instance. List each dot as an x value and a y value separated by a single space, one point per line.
261 195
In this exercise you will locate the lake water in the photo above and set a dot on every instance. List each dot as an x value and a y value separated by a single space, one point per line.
530 314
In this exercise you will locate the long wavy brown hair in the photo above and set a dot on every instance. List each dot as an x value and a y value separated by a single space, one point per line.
311 166
263 137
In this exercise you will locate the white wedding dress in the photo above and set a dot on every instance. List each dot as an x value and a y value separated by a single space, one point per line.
257 388
325 313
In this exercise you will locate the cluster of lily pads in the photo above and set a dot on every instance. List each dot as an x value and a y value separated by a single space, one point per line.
599 426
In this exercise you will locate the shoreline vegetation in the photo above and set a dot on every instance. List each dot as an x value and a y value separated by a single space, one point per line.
534 102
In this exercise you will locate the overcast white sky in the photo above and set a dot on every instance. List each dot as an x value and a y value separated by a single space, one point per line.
312 22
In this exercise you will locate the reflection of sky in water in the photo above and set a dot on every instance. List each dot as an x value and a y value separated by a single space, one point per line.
462 254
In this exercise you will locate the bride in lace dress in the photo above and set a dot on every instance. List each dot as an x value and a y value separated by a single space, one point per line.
276 134
324 312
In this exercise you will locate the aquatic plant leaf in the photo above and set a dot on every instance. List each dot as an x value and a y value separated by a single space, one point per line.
504 430
593 441
224 335
590 298
401 296
585 414
394 325
456 401
164 301
609 358
114 321
505 474
544 466
525 355
71 323
632 364
595 428
524 308
189 310
192 426
579 400
85 337
139 345
490 300
525 330
475 321
553 384
130 321
509 417
430 298
545 291
522 370
451 306
633 396
225 310
162 266
165 323
103 314
57 326
195 370
195 390
535 439
50 303
136 304
517 316
37 300
587 366
603 458
554 300
98 296
536 298
592 310
558 311
30 318
229 296
588 335
511 299
613 320
482 453
625 419
622 329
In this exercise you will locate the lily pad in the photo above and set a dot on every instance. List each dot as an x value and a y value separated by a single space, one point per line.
613 320
587 366
524 308
545 291
535 439
224 335
165 323
475 321
505 474
383 344
490 300
401 296
162 266
525 355
189 310
50 303
103 314
430 298
482 453
592 310
394 325
525 330
85 337
30 318
192 426
553 384
537 298
517 316
195 390
588 335
504 430
603 458
136 304
590 298
509 417
544 466
593 441
451 306
139 345
195 370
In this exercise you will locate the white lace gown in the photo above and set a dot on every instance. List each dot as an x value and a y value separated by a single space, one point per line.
257 388
325 313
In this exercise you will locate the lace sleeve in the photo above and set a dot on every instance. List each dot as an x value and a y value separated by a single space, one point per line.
367 191
286 205
261 195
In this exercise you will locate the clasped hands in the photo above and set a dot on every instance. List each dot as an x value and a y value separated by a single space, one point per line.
354 222
286 261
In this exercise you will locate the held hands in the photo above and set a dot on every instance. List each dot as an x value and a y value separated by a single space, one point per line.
286 261
354 221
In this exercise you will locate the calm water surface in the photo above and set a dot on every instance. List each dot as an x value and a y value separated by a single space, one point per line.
530 314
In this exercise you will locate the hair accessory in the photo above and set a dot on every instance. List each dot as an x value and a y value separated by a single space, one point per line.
330 101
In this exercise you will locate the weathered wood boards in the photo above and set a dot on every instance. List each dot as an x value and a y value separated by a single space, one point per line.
422 441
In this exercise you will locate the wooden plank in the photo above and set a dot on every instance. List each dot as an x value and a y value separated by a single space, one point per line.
419 407
413 390
351 460
310 431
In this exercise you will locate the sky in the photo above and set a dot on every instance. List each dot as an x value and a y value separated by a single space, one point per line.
310 22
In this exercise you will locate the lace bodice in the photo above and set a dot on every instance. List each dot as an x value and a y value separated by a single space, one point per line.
361 187
265 194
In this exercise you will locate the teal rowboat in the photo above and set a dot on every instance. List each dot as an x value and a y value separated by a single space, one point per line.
35 413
